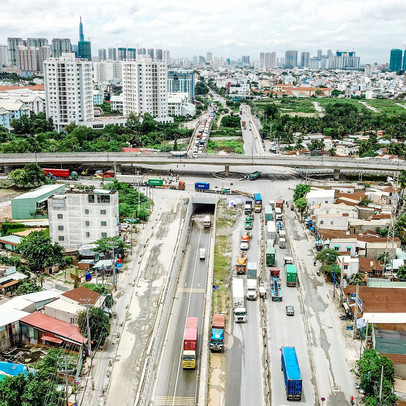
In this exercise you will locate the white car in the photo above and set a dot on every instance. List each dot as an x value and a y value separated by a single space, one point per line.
202 253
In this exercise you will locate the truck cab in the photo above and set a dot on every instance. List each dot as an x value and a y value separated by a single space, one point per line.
206 222
202 253
217 340
248 223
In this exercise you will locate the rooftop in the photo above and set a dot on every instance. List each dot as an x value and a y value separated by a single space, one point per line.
39 192
81 295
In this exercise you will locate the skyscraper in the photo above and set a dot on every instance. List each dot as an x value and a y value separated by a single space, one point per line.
102 54
122 54
158 54
305 59
150 53
290 59
404 61
112 54
268 60
3 55
245 59
183 81
68 90
209 56
344 60
84 47
145 89
81 34
12 44
319 53
60 45
131 53
395 63
30 58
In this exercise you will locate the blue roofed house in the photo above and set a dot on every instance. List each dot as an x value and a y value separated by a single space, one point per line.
14 109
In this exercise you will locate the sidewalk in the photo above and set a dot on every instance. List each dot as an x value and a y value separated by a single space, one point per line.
332 350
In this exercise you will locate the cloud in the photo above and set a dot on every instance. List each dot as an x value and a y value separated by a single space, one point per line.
228 28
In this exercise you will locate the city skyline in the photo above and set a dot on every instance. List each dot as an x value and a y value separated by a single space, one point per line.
226 29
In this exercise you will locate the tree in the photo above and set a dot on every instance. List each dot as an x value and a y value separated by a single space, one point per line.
401 273
301 204
365 202
35 175
328 258
102 290
201 89
28 287
19 177
99 324
369 370
356 279
106 245
39 251
300 191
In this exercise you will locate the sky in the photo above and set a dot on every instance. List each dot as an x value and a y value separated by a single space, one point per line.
227 28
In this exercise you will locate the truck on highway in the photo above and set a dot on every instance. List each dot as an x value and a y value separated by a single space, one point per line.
244 124
268 213
159 183
276 290
275 272
245 241
278 214
202 186
217 332
252 270
252 289
272 204
202 253
248 207
255 175
270 256
271 230
60 173
248 223
207 221
291 373
189 354
282 242
279 204
241 266
291 275
239 302
257 202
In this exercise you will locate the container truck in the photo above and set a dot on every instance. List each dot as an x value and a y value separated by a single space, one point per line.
268 213
291 373
252 270
245 242
291 275
239 304
275 272
279 203
159 183
190 344
257 202
241 266
270 256
271 231
276 290
60 173
252 289
202 186
248 207
217 332
206 222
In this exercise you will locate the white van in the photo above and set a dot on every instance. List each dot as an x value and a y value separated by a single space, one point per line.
206 222
202 254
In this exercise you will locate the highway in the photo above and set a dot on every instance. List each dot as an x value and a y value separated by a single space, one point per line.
244 375
109 159
175 386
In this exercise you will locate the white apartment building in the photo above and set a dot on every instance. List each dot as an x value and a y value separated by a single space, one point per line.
78 217
68 90
179 105
145 88
107 71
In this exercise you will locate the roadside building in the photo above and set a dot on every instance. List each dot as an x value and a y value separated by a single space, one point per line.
38 328
316 197
81 217
30 204
10 327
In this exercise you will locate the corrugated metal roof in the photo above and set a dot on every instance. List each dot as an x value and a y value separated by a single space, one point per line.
39 192
8 316
11 239
54 326
81 295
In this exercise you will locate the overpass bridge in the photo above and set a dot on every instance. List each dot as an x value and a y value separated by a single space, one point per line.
116 159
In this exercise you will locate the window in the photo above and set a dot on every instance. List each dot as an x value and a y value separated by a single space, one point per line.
103 211
90 198
104 223
345 267
103 199
104 235
60 228
87 223
331 222
321 222
87 234
86 211
61 238
60 216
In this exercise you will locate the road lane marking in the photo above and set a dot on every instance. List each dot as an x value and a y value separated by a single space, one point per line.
191 290
174 400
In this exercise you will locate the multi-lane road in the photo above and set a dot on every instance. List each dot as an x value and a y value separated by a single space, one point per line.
174 385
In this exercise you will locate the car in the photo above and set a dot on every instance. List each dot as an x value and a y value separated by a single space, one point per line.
244 246
202 253
290 311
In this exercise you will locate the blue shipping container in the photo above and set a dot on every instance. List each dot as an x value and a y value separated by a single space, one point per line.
202 186
291 372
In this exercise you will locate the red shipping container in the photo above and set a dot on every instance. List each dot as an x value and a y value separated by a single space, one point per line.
219 321
190 337
61 173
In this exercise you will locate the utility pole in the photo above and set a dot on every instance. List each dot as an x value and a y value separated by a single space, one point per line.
356 311
89 340
66 382
380 388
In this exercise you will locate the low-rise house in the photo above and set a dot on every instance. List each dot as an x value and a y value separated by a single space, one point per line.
317 197
38 328
64 310
333 221
10 242
117 103
10 327
14 109
82 296
357 226
10 279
